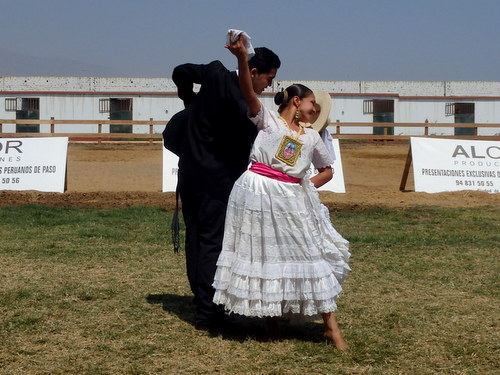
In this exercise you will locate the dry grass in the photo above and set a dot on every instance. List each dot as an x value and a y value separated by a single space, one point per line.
99 291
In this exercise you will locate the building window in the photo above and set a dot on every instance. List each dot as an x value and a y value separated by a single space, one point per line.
449 109
103 105
28 109
11 104
368 107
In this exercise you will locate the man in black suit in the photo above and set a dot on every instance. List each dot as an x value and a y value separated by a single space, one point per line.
212 137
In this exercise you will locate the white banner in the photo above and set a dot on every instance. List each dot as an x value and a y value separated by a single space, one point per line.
170 168
336 184
33 164
453 164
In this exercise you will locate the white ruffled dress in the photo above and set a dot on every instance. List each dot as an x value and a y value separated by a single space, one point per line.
280 252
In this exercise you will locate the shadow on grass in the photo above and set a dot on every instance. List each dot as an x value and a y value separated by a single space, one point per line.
237 327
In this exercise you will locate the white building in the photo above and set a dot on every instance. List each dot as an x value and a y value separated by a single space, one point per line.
99 98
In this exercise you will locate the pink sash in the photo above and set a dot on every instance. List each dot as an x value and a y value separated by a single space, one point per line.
267 171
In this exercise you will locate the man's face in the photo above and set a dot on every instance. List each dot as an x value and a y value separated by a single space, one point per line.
261 81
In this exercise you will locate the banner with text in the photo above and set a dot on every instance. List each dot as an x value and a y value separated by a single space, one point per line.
33 164
452 164
170 168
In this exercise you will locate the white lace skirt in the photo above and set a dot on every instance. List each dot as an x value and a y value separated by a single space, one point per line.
280 252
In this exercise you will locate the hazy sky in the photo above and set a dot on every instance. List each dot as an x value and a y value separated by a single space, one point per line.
416 40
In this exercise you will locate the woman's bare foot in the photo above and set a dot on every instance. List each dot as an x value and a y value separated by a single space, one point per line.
332 331
336 339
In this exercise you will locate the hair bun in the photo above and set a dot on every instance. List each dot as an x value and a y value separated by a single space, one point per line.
278 98
281 97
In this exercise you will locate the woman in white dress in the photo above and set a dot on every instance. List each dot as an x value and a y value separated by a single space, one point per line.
280 254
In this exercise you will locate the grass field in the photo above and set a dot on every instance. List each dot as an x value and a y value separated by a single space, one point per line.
100 291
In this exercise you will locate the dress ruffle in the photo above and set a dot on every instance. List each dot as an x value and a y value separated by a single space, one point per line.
281 253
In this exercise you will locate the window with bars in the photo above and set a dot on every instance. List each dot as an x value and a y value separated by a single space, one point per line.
115 105
11 104
374 106
103 105
382 111
122 105
452 109
30 104
449 109
22 104
368 107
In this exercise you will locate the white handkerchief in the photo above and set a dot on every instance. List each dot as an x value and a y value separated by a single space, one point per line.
236 33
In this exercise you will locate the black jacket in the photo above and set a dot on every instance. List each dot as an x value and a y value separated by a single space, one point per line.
212 136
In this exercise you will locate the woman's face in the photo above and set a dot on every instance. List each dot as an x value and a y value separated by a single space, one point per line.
307 108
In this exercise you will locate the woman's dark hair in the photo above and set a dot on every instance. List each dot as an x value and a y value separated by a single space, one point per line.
282 98
264 60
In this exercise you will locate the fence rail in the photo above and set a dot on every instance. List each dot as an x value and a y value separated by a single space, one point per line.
427 127
338 130
98 136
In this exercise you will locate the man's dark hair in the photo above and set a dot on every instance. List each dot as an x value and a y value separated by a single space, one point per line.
264 60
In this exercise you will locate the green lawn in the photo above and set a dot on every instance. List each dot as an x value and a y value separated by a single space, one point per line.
100 291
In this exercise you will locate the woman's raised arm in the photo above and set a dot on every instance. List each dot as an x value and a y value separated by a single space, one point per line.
238 49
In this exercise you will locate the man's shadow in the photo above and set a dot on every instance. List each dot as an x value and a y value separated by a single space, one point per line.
238 328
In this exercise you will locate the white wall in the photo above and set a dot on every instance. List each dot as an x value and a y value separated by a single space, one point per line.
86 84
415 102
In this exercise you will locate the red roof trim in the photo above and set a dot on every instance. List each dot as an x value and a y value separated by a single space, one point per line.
174 93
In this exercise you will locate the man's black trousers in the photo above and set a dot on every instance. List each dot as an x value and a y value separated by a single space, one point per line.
204 218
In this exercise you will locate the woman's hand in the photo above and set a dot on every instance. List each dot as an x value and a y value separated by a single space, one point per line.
238 49
324 175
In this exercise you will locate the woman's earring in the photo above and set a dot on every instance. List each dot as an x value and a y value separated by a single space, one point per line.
297 115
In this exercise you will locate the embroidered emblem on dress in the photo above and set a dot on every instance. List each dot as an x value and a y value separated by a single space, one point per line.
288 150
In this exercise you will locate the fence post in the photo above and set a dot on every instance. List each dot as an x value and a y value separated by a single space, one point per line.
426 129
99 131
337 128
151 130
1 130
406 171
52 126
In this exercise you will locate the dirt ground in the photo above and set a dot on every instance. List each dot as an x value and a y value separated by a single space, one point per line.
111 175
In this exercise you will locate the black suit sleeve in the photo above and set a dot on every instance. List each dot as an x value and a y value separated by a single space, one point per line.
184 77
